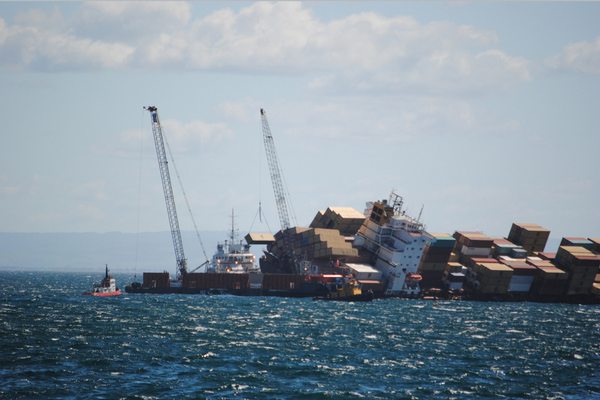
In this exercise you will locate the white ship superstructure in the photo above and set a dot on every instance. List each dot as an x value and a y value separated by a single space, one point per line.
397 242
233 256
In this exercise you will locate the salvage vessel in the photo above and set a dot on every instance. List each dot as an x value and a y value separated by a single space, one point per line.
233 256
105 288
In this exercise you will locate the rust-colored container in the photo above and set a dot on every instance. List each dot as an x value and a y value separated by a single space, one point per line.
156 280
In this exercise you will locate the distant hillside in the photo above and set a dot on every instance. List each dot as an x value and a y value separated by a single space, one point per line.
91 251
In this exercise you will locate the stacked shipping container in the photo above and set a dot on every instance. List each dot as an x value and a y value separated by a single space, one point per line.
582 266
502 247
492 278
312 243
549 281
531 237
345 219
577 241
434 260
454 276
472 244
595 244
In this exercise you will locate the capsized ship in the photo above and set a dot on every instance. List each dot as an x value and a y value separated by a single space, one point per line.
395 243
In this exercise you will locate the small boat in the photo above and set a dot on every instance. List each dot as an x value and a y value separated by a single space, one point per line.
106 288
349 291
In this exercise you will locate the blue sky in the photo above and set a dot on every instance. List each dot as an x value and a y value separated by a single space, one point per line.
486 113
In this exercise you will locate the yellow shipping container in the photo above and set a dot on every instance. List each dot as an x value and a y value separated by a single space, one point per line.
326 232
551 273
453 267
495 269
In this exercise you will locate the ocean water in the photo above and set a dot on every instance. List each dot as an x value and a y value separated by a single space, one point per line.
57 344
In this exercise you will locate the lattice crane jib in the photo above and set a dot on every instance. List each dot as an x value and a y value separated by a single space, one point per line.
163 166
275 171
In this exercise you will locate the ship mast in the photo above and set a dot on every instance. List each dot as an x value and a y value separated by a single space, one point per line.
168 191
233 235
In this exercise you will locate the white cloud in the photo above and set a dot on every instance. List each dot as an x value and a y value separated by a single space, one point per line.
65 50
181 137
360 53
130 20
195 135
582 57
44 41
245 110
385 120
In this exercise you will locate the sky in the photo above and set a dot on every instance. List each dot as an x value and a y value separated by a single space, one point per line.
480 114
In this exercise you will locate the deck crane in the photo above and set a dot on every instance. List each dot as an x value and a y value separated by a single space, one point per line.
291 263
168 191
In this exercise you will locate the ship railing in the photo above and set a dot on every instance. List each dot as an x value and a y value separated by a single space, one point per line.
386 232
372 245
400 239
376 247
378 236
391 248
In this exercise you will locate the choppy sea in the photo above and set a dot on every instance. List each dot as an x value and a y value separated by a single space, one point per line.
57 344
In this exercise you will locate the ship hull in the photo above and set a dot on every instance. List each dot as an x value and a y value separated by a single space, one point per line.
304 290
116 293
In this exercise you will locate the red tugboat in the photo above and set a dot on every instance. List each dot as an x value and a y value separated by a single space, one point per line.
106 288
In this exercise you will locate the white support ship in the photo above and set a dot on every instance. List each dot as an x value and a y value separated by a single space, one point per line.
397 242
233 256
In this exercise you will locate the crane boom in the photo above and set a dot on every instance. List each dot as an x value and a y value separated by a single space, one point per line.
292 264
276 179
168 191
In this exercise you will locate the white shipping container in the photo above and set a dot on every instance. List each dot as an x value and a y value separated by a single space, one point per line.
364 272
